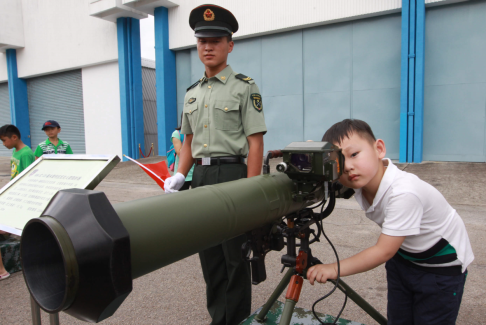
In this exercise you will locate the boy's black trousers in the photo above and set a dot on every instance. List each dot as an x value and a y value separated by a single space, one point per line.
227 274
417 297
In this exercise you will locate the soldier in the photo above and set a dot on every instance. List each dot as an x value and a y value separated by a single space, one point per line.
223 122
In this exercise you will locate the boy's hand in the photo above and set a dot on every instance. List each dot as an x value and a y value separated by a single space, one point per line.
321 273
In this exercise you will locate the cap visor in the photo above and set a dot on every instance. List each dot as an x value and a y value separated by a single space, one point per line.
211 33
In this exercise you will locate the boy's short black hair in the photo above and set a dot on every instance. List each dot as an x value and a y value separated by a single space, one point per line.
344 129
8 130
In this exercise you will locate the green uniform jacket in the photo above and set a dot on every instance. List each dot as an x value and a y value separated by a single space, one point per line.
221 112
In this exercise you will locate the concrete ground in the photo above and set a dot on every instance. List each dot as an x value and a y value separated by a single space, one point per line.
176 294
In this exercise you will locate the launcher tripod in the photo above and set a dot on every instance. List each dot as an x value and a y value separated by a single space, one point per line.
298 226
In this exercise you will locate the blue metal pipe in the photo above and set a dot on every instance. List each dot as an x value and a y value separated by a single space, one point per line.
411 81
404 82
165 80
419 83
19 103
131 92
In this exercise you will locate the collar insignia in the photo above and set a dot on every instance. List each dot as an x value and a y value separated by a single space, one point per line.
208 15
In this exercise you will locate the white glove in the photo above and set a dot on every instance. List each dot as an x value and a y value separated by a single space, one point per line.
174 183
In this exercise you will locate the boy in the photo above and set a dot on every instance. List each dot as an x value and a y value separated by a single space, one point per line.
423 241
53 144
22 155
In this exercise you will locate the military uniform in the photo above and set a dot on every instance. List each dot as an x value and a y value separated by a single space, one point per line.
221 112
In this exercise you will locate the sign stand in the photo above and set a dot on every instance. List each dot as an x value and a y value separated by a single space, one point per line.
24 197
36 316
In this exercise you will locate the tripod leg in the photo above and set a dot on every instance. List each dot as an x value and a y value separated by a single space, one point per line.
292 297
358 300
262 315
35 309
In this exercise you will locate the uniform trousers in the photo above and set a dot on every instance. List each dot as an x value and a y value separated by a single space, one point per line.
227 274
417 297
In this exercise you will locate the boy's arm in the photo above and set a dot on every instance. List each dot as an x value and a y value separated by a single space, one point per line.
386 247
38 152
69 151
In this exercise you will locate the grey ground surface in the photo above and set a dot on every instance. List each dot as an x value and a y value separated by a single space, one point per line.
176 294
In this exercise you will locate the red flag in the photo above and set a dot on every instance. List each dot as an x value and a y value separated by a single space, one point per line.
158 172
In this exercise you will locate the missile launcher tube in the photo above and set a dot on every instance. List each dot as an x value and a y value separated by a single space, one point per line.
168 228
83 253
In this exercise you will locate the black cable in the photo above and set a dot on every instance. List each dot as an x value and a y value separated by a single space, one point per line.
333 289
316 206
327 212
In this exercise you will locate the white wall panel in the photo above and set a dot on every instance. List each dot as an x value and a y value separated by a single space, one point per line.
102 120
60 35
257 17
11 24
3 67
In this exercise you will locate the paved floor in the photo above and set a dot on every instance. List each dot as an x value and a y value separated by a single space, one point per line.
175 294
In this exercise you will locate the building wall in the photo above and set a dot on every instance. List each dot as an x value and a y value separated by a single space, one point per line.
102 120
312 78
60 35
256 17
455 83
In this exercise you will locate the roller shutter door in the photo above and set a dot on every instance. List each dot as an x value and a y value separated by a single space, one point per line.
455 83
149 110
58 97
4 114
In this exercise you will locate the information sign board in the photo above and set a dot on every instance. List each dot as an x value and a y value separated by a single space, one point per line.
27 195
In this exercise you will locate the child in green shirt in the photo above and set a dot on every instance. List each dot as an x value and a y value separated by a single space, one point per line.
53 145
22 157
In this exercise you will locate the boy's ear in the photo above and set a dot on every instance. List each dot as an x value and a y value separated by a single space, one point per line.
380 148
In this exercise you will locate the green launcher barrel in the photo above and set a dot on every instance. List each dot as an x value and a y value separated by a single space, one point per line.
81 256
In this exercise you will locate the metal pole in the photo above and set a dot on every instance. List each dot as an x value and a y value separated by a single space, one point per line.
54 319
358 300
287 312
262 315
35 309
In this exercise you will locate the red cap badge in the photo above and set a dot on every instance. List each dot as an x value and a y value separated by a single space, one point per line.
208 15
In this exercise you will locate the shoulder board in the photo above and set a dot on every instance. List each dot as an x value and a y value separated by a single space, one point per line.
245 78
193 85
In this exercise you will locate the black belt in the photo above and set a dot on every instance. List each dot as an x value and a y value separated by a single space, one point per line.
220 160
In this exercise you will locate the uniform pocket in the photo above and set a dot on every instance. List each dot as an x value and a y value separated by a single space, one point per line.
227 115
191 112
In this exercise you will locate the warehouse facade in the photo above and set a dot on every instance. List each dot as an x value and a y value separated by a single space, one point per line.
415 72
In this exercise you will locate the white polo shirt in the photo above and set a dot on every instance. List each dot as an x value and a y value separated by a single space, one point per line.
407 206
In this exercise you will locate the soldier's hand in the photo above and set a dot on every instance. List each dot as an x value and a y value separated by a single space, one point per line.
174 183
